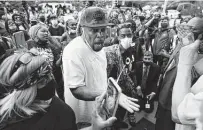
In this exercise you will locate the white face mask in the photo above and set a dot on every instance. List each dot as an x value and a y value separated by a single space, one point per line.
72 31
126 42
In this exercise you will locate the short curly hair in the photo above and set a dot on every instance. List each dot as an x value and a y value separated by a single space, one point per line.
148 53
124 25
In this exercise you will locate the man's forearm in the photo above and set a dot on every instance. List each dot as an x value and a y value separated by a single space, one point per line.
85 93
181 87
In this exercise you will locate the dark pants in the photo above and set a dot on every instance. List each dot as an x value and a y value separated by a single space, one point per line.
120 113
59 80
164 119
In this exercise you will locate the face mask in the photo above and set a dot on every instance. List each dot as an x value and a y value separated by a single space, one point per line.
126 43
147 63
164 25
72 32
47 92
42 19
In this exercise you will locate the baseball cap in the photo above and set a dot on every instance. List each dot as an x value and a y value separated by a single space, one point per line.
94 17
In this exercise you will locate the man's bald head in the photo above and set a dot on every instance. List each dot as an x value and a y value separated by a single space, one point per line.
197 24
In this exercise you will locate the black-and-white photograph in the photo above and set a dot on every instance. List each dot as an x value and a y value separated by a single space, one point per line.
101 65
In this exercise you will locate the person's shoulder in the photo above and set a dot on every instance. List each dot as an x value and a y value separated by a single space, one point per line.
76 42
75 46
63 107
31 43
112 48
155 66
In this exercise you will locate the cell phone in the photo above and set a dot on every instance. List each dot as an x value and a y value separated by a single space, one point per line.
19 40
112 98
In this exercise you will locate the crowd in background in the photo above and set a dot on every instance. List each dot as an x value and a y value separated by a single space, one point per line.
142 49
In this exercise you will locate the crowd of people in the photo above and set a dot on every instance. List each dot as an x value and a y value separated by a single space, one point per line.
55 65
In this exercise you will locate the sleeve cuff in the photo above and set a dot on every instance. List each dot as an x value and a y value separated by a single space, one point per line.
188 110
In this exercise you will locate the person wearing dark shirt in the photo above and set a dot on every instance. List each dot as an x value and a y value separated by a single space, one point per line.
55 29
147 75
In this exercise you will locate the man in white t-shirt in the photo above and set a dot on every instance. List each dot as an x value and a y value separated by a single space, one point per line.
85 64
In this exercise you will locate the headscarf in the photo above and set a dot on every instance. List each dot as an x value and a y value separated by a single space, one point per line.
34 30
21 71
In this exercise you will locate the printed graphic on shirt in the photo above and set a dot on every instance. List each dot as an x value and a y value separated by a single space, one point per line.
47 53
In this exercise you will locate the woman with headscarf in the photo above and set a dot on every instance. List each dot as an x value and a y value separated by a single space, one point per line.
27 98
45 45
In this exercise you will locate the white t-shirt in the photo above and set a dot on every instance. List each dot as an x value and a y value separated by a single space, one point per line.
83 67
190 110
